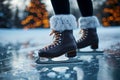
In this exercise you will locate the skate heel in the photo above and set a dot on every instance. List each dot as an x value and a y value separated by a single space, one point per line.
71 53
94 46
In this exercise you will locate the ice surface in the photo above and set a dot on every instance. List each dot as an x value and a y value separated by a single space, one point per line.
22 69
107 36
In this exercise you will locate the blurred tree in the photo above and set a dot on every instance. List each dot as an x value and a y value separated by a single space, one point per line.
16 20
37 15
109 13
17 11
4 16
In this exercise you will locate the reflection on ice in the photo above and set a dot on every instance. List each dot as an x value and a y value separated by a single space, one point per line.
60 73
22 67
87 70
111 68
21 70
93 67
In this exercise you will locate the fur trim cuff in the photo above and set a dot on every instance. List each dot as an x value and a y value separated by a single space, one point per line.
88 22
63 22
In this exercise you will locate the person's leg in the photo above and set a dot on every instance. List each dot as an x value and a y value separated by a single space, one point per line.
87 23
85 7
61 6
62 25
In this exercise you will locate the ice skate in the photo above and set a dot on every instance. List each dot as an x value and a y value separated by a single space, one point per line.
89 36
62 27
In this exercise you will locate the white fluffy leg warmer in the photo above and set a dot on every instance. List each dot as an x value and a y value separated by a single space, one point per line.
63 22
88 22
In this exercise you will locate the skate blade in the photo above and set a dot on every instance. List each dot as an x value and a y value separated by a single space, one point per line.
43 60
90 51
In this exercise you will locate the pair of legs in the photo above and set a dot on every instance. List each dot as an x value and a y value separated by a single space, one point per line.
62 25
63 7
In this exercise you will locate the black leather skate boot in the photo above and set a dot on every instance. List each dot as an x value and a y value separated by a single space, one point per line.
89 35
62 26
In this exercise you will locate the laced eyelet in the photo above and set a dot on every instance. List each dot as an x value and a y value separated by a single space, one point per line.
84 34
56 42
51 46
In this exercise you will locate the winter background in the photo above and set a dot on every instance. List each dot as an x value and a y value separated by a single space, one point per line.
17 43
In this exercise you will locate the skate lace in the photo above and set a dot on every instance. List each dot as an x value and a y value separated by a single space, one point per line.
57 41
83 34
